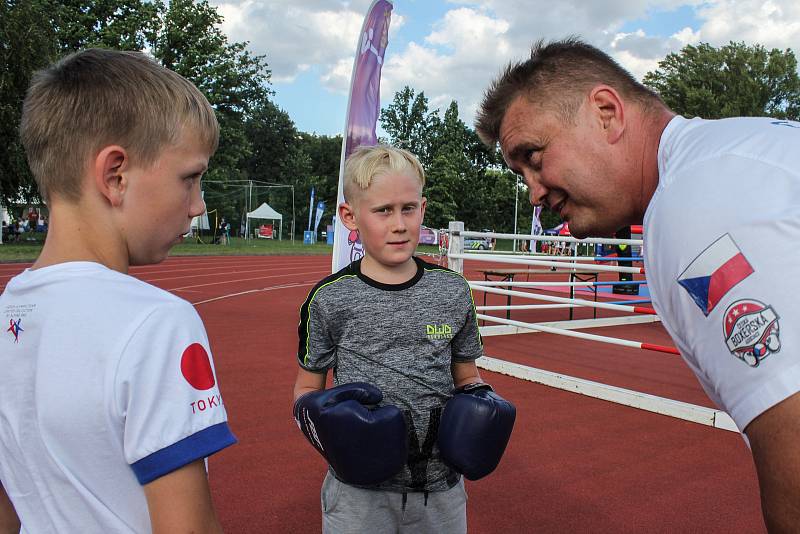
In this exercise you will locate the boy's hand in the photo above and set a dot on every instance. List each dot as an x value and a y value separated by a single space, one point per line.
364 444
474 430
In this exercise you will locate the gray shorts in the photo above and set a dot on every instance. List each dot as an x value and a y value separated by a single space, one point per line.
350 510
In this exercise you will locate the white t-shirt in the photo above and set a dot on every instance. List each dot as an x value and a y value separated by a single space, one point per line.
722 236
107 383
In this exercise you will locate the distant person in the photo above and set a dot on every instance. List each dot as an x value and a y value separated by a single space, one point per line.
604 152
222 238
409 412
109 403
33 219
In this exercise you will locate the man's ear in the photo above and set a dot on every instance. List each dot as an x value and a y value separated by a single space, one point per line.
607 105
347 215
109 165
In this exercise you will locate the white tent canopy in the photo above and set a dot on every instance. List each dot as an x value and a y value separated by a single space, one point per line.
201 222
265 211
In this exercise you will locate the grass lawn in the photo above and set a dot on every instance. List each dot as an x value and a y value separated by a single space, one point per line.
28 250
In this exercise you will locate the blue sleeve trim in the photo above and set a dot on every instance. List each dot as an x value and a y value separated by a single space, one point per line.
199 445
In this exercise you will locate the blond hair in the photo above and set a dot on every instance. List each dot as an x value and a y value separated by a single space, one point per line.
98 97
367 162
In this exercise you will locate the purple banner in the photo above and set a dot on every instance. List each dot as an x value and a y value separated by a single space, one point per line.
365 89
362 113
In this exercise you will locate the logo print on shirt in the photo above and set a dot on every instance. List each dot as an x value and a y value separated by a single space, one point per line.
751 331
15 328
196 367
439 331
715 272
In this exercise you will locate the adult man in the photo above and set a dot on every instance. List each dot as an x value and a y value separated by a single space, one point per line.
604 152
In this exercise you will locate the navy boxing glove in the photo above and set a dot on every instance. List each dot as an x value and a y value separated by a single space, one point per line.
474 430
364 444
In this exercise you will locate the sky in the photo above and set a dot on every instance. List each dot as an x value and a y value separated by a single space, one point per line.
453 49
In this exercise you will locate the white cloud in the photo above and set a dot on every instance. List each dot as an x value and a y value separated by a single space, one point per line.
772 23
297 35
466 48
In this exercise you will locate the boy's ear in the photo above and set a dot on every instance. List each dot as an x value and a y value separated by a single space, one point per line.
107 173
347 215
422 207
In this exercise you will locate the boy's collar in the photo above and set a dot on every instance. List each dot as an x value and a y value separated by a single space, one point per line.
356 266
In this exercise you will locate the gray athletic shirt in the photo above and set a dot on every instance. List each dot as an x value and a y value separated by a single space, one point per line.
401 338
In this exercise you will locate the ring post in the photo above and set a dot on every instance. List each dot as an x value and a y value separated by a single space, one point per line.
456 246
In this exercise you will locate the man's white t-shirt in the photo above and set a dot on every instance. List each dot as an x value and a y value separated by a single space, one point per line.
722 251
107 383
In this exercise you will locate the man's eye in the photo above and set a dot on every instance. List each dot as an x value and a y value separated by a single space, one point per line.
534 158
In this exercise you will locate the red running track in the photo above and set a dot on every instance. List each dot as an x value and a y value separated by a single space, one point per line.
574 464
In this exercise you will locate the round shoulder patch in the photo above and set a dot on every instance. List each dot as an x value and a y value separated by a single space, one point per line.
196 367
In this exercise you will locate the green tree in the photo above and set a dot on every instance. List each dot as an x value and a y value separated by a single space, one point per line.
183 35
234 81
448 171
410 124
120 24
274 140
27 43
734 80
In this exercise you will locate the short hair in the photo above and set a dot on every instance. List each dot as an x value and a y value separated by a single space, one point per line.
557 76
98 97
367 162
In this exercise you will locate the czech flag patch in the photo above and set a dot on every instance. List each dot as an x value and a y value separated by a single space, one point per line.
715 272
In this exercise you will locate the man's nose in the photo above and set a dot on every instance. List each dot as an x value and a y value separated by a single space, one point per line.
536 191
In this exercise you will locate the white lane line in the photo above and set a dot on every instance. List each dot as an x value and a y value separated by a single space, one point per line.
193 267
251 291
149 280
241 280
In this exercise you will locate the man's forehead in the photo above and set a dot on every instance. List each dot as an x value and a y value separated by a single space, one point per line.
520 117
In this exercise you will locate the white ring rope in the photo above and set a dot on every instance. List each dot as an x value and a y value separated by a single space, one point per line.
558 265
579 335
528 307
562 238
562 300
672 408
498 283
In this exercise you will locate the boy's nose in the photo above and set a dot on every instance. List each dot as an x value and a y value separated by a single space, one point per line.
198 205
398 223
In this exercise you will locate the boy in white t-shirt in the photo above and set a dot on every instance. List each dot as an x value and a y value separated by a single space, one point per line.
109 403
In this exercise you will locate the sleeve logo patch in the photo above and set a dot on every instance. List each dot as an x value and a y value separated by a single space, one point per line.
714 272
196 367
751 331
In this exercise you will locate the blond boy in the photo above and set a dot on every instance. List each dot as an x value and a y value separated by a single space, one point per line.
398 334
108 398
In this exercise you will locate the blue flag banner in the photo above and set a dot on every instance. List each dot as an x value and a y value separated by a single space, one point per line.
310 208
320 210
